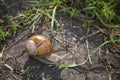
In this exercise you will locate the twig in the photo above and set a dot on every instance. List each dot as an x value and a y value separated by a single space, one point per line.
14 76
57 40
99 28
6 65
87 47
1 53
117 72
88 52
65 55
21 53
63 41
85 37
109 76
43 77
23 35
33 28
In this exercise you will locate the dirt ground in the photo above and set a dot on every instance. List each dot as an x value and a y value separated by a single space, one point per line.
69 38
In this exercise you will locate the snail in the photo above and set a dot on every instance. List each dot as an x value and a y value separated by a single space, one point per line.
41 48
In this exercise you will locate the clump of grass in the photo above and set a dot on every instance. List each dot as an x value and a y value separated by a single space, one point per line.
103 11
14 23
8 26
106 14
3 33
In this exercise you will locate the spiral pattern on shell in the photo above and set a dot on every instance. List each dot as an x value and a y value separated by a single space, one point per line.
38 46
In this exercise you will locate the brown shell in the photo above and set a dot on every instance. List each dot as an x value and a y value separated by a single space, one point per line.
43 44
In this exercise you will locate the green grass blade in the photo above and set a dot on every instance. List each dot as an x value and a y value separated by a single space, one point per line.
91 54
53 18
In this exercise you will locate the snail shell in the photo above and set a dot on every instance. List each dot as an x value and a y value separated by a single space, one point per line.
41 49
39 46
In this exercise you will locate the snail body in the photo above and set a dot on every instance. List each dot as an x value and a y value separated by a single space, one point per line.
41 48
